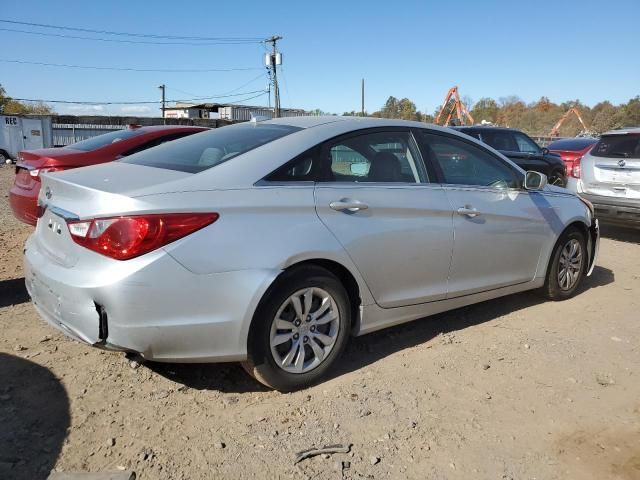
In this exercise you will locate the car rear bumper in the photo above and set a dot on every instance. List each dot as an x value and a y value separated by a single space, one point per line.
155 308
619 211
24 204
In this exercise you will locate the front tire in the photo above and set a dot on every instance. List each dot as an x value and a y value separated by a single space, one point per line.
299 330
567 266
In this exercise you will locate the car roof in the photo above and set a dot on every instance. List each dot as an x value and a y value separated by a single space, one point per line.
623 131
167 128
483 127
350 123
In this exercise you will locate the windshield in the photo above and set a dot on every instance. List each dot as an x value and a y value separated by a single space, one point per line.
208 149
618 146
103 140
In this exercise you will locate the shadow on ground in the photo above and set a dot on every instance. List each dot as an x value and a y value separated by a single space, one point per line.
34 418
368 349
620 234
13 292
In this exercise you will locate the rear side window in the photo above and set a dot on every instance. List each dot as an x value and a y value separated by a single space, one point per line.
618 146
525 144
103 140
200 152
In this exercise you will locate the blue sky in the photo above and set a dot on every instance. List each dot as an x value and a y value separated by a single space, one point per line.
417 49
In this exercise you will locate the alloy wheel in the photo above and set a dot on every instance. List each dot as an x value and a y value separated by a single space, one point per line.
304 330
570 264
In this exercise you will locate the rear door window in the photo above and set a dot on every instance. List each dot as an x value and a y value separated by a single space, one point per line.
618 146
500 140
383 157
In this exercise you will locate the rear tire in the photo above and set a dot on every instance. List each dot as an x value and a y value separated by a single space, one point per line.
299 330
567 266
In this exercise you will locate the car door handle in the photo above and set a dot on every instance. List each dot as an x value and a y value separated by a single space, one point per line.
468 211
347 204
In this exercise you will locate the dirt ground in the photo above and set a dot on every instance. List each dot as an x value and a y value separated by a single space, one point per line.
515 388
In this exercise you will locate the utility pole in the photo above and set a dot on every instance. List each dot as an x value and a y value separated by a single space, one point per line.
362 104
274 59
162 88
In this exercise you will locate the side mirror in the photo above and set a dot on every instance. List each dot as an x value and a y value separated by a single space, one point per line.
545 151
534 180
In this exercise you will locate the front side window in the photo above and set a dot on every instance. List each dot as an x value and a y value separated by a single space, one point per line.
208 149
383 157
462 163
525 144
618 146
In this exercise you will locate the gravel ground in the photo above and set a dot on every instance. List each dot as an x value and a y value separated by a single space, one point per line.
514 388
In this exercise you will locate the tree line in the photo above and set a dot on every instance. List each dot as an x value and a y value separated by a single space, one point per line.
535 118
9 106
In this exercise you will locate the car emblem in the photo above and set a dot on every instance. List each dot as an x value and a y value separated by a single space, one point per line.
621 163
48 193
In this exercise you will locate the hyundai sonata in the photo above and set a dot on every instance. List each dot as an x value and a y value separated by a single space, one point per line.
271 243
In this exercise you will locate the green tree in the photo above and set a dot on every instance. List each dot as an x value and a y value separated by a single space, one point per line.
13 107
485 109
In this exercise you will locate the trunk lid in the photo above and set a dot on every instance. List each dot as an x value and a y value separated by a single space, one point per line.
90 192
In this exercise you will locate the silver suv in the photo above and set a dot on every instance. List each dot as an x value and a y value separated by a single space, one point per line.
610 177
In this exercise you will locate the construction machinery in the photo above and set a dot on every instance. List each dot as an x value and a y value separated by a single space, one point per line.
453 105
556 127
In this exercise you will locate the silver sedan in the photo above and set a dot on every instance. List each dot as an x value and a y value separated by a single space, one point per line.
271 243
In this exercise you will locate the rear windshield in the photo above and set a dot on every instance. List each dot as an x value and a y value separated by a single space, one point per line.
571 144
618 146
103 140
199 152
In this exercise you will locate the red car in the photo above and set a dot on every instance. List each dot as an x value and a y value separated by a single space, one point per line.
571 151
23 196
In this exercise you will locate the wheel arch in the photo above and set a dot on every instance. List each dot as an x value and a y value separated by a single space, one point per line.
348 279
577 224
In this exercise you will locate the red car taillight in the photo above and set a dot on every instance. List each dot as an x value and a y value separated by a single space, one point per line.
123 238
35 173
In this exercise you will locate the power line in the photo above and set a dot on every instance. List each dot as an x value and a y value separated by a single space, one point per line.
262 75
126 69
144 102
143 35
143 42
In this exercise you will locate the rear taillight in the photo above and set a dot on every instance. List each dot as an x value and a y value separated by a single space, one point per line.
575 171
35 173
123 238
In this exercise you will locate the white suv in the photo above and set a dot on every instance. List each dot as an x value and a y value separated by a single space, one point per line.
609 177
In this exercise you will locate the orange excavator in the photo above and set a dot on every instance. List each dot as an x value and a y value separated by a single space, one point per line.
456 107
556 127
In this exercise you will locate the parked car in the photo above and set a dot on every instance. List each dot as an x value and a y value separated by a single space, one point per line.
522 150
270 243
100 149
571 150
610 177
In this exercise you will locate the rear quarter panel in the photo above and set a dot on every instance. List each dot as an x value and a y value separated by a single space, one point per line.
268 228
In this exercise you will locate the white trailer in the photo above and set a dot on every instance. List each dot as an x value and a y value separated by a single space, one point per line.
23 133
